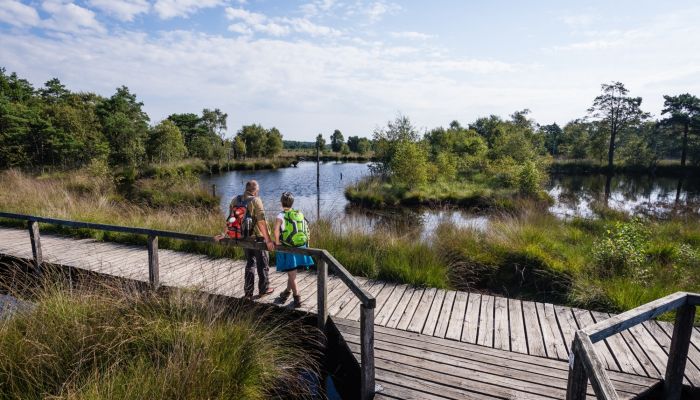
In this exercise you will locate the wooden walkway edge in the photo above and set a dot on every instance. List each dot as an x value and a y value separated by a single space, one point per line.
541 331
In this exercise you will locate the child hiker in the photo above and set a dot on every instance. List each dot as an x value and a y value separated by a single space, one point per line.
291 230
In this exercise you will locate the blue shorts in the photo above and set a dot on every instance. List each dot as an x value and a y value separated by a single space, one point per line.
288 262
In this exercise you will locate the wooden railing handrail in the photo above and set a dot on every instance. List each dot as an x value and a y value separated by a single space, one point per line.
366 298
585 365
323 260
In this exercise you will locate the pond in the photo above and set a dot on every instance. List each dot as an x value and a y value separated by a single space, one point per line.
574 195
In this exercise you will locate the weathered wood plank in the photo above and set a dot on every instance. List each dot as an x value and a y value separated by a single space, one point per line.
485 337
454 328
374 291
518 339
568 326
535 342
692 374
622 353
553 339
434 313
678 353
501 327
602 386
421 314
470 331
384 314
410 309
444 318
584 319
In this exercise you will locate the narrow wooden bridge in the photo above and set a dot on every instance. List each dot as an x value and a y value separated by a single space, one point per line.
427 343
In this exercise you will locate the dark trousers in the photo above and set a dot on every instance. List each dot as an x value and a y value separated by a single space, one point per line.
260 260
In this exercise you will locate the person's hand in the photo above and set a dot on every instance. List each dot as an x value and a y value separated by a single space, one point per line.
270 245
219 237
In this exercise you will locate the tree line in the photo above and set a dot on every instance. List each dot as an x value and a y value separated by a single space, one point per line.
53 126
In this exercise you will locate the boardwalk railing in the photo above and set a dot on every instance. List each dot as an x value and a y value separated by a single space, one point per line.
324 261
585 365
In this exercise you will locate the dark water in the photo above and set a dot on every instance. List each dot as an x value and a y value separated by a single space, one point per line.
573 195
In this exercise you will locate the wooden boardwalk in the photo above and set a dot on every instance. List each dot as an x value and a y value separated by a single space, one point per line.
499 326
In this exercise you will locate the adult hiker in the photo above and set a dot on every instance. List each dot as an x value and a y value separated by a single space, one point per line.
291 230
247 220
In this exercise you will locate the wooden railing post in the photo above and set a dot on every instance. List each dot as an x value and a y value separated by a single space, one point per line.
678 353
367 351
35 239
576 385
322 292
153 268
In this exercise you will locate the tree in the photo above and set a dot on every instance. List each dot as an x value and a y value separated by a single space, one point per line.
274 142
387 141
320 142
616 111
353 143
409 164
214 122
190 126
684 111
53 91
552 137
345 149
125 126
337 141
363 146
165 142
239 149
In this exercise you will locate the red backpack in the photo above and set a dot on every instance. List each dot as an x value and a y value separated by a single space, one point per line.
239 224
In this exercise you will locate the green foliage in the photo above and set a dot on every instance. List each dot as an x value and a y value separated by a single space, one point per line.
320 142
165 143
100 341
345 149
260 142
409 164
337 141
622 251
529 179
125 126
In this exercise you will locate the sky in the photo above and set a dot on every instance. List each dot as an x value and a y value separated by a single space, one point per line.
312 66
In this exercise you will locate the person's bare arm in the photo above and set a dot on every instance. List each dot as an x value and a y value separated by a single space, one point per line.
277 231
262 225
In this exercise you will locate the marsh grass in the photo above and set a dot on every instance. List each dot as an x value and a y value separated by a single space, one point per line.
109 340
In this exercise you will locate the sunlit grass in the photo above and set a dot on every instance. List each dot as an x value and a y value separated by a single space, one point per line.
112 341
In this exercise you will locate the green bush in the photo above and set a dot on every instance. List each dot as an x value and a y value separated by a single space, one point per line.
622 251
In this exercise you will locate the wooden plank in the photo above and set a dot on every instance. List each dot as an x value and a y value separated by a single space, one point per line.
485 355
501 326
410 309
584 319
153 270
337 298
693 352
524 377
535 342
639 353
620 350
374 291
602 386
434 313
485 337
367 372
383 297
553 339
632 317
396 315
355 301
567 323
382 317
518 338
470 330
663 332
444 318
421 314
454 327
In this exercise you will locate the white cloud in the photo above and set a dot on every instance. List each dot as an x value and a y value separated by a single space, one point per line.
182 8
411 35
375 11
65 16
316 7
578 20
15 13
255 22
124 10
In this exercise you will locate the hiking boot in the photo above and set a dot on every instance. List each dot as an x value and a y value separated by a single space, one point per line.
248 297
285 295
297 301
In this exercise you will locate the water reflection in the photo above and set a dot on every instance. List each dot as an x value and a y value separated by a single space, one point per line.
574 195
637 194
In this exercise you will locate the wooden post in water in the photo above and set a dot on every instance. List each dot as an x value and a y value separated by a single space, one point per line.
366 352
322 292
153 267
318 182
678 353
35 240
576 385
213 189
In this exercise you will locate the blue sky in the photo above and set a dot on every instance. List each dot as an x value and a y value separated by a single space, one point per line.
312 66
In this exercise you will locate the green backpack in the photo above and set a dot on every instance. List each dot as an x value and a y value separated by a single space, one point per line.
296 229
